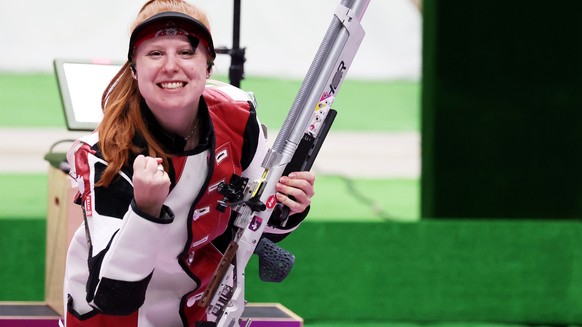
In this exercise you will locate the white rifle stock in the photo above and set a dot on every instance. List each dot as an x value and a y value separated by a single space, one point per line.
224 297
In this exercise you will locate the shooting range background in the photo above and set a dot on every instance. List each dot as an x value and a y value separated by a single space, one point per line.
281 37
388 255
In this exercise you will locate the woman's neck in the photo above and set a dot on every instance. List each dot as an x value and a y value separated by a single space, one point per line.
183 123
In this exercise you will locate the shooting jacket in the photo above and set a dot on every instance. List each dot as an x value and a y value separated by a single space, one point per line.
126 268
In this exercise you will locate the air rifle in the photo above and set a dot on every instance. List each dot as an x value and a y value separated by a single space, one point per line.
296 146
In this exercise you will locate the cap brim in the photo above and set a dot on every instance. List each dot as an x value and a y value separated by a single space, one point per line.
186 22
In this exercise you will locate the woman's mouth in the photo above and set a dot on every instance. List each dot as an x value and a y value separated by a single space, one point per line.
172 85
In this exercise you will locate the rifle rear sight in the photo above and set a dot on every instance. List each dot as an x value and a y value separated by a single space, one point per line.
234 193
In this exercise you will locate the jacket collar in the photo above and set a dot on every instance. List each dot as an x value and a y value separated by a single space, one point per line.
172 142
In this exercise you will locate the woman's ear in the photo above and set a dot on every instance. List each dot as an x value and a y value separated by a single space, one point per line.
209 69
133 71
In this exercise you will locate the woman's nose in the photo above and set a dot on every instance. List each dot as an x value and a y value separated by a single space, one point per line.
170 65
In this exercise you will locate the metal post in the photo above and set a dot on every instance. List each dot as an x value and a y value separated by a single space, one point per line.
236 71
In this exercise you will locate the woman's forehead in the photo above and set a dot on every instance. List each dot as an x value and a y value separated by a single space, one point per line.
170 40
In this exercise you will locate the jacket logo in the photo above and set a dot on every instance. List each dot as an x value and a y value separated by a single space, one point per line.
88 207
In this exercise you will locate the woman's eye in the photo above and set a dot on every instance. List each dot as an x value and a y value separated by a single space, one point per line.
155 54
186 52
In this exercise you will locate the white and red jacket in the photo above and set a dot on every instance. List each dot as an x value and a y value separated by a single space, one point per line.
126 268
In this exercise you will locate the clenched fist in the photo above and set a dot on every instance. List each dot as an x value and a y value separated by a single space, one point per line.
151 184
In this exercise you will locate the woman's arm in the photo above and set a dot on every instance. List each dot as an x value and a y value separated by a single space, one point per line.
123 238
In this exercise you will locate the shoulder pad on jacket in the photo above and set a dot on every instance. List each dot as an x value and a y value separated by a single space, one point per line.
219 89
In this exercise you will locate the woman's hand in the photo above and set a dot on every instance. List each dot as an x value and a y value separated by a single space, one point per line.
296 190
151 184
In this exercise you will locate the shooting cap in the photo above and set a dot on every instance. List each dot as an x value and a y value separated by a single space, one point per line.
171 23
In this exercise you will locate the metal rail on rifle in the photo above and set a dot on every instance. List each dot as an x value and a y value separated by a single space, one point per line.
307 122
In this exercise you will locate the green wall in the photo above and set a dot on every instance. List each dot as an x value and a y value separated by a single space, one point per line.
501 109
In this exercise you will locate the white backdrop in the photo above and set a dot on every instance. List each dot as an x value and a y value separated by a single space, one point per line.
281 37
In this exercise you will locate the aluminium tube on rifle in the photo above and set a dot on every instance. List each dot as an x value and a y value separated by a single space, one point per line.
317 77
337 50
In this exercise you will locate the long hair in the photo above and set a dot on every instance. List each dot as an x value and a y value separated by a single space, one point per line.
122 117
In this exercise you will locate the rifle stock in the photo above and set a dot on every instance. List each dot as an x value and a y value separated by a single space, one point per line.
307 120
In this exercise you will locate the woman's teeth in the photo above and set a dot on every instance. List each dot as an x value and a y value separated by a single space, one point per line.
173 85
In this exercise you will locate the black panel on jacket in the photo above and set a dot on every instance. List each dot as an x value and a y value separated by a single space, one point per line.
114 199
116 297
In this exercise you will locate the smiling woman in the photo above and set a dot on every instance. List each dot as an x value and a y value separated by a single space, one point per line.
148 179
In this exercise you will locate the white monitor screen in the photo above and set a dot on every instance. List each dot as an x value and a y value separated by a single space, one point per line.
81 85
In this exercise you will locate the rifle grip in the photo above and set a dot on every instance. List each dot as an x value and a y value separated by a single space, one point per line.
279 215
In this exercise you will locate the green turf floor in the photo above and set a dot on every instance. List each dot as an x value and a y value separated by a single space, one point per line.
30 100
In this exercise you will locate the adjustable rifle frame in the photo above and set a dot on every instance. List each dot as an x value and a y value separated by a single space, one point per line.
294 149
